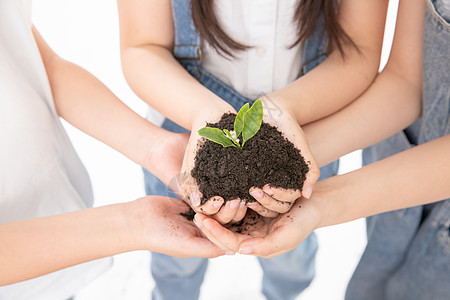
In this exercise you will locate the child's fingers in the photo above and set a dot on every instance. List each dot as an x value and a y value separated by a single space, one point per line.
273 244
210 207
227 212
199 220
270 203
240 214
311 177
219 235
261 210
280 194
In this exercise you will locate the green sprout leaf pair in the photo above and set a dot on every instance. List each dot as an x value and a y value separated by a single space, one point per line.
248 122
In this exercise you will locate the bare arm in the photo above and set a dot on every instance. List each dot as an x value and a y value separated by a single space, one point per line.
336 82
391 103
414 177
82 100
146 38
35 247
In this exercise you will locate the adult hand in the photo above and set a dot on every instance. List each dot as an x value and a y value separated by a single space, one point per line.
274 201
230 236
286 232
161 227
267 237
233 210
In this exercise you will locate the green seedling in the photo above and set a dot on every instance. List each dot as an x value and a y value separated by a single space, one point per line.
247 123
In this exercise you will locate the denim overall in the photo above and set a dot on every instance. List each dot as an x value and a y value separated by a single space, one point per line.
408 251
285 276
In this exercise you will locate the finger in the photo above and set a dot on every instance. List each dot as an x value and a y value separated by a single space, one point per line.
269 202
227 212
216 233
210 207
275 243
311 177
198 221
285 195
257 207
240 214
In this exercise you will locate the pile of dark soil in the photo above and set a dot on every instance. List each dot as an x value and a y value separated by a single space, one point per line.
267 158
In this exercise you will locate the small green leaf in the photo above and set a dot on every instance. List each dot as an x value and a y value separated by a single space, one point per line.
216 135
239 122
252 121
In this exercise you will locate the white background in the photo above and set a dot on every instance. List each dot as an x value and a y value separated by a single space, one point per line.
86 33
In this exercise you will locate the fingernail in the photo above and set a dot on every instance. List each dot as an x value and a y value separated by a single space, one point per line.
217 203
197 222
308 192
268 191
245 250
251 204
195 199
230 253
242 204
234 204
258 194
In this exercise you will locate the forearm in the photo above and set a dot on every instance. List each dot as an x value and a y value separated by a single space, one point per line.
86 103
82 100
390 105
329 87
339 79
157 78
414 177
35 247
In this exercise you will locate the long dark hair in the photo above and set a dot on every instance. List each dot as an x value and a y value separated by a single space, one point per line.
306 15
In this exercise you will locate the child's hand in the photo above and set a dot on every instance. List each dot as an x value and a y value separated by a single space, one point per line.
286 232
229 237
233 210
158 225
273 201
166 156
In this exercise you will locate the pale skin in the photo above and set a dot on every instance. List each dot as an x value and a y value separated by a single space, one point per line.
390 184
147 39
34 247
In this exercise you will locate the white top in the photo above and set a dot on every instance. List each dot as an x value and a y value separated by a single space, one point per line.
40 173
268 26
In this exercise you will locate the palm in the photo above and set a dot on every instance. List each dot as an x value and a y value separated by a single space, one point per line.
169 231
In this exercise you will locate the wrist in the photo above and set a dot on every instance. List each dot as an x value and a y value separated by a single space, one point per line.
211 112
279 100
133 224
329 199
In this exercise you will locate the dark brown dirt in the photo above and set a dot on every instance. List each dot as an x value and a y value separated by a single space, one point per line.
267 158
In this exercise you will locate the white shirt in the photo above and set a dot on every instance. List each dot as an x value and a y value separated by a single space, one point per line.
268 26
40 173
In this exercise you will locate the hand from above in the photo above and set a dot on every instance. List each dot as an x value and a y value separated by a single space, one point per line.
271 201
233 210
261 236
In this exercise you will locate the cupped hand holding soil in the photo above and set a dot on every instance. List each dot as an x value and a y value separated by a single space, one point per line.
273 199
231 211
269 166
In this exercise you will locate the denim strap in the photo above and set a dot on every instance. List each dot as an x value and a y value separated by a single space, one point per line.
187 41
